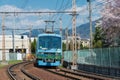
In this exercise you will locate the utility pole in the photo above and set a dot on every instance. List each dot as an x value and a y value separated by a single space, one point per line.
74 60
13 33
30 40
3 39
66 36
13 40
78 42
61 37
91 38
90 20
66 32
29 55
3 42
60 26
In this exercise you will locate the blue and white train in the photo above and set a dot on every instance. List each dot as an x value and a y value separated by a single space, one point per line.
49 50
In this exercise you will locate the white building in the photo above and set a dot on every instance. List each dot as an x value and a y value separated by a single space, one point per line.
21 44
70 38
84 42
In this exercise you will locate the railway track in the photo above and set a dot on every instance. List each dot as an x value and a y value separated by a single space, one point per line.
26 71
75 75
17 72
69 76
100 76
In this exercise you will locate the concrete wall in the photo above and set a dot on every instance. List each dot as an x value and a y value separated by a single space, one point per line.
17 44
12 56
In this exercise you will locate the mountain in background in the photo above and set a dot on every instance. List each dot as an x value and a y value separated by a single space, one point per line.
82 30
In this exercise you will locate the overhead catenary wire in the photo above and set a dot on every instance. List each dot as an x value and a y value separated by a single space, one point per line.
25 3
61 8
41 12
57 16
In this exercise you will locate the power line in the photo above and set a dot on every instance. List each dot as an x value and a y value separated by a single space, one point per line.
59 16
61 5
64 7
56 4
25 3
67 3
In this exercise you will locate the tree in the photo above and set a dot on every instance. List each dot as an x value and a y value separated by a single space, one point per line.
71 45
63 46
97 42
33 46
111 22
81 46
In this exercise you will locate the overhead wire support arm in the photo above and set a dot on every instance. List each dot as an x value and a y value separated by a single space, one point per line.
15 29
23 29
34 12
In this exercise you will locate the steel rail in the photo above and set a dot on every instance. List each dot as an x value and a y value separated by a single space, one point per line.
12 74
98 75
77 73
28 74
64 75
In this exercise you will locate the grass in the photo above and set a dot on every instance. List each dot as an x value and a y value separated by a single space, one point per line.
14 61
1 66
11 62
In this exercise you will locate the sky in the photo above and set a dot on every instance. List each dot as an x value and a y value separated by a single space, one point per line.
37 20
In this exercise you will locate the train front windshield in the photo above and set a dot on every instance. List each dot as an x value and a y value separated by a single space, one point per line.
49 42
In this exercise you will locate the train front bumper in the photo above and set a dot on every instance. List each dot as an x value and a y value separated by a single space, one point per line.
42 63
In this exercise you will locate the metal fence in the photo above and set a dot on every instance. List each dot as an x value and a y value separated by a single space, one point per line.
105 57
13 56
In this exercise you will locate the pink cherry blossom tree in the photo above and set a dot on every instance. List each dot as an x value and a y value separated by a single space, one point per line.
111 22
